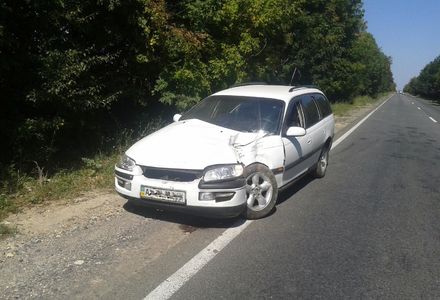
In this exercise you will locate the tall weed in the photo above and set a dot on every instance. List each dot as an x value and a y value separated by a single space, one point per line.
19 189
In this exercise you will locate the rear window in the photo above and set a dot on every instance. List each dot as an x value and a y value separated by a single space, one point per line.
311 113
323 105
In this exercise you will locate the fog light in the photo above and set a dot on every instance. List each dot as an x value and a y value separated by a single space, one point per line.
125 184
206 196
217 196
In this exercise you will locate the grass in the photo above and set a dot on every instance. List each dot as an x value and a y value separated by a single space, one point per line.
343 108
23 190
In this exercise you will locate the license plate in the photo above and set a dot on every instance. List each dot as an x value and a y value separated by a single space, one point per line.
163 195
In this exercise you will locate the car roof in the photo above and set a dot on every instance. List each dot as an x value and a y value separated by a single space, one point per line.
281 92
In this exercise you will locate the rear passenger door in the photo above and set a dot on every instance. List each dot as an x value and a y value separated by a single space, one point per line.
325 110
315 133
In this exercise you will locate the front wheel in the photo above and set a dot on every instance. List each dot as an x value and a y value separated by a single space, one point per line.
261 191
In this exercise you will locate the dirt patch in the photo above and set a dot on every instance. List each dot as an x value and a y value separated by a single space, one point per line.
60 217
81 248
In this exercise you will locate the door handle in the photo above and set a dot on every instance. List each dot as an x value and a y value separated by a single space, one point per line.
309 142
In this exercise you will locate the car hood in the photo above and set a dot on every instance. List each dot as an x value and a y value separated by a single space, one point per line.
189 144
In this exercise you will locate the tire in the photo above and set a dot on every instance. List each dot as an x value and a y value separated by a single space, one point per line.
261 191
322 164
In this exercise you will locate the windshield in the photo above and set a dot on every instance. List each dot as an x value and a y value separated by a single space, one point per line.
245 114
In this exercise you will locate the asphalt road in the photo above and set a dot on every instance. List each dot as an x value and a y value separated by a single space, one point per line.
369 230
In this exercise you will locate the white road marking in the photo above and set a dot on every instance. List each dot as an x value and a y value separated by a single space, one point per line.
173 283
412 102
345 135
432 119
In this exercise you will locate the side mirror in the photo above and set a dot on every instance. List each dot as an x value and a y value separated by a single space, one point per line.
177 117
295 131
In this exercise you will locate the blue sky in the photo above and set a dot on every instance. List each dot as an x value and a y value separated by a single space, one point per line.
406 30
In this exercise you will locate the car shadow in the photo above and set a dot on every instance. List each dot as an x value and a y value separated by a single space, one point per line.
189 222
292 188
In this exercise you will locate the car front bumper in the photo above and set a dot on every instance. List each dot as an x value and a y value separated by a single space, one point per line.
128 185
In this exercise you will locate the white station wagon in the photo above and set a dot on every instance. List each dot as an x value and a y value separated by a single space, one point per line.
231 153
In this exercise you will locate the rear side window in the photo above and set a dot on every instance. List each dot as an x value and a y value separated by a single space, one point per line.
311 113
323 105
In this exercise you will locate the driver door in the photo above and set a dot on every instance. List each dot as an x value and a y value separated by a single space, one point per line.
294 146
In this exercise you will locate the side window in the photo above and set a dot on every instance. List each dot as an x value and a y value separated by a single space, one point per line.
311 113
294 117
323 105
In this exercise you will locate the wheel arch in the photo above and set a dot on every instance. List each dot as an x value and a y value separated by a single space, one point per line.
328 142
257 163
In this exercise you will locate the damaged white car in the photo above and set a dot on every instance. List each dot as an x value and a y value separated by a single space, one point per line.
231 153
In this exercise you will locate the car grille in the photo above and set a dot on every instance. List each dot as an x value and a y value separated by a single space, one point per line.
171 174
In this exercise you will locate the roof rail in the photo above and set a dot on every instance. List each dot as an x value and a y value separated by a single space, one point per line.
249 83
302 87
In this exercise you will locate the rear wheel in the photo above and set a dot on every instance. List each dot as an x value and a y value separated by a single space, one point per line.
321 166
261 191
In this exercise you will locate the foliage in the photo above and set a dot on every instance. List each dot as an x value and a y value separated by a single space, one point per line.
75 75
373 74
19 189
427 84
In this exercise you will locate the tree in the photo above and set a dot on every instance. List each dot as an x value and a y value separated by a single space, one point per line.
72 73
373 74
427 84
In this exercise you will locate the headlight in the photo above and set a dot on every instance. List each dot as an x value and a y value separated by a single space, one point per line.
222 172
126 163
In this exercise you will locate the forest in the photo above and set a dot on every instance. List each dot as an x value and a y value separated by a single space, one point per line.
79 77
427 84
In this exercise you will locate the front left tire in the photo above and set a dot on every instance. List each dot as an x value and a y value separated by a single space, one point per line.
261 191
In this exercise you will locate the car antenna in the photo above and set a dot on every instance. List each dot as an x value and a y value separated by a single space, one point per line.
293 75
